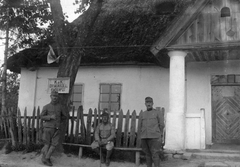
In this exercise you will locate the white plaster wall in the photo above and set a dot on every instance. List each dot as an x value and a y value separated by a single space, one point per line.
137 83
198 77
27 90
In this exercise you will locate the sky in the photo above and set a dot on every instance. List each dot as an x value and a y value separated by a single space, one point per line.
68 8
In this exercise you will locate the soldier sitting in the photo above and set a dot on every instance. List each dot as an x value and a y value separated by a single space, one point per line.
104 135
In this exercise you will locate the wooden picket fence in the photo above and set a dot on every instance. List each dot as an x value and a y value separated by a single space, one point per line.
26 129
21 129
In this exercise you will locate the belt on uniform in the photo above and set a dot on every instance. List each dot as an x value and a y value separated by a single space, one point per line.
104 137
57 128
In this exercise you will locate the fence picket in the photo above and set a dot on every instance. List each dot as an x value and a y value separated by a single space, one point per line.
7 123
72 125
41 129
77 126
126 129
4 115
162 119
95 121
13 127
25 127
133 129
33 124
83 129
89 127
20 138
138 144
99 115
37 126
119 129
28 130
114 119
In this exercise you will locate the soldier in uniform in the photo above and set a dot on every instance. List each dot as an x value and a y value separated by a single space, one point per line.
52 115
151 133
104 136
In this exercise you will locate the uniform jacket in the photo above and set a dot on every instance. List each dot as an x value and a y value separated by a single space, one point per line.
53 109
151 124
104 132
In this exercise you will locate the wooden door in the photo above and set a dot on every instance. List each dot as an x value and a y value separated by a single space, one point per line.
226 114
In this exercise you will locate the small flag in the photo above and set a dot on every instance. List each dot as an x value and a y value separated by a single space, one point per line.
51 57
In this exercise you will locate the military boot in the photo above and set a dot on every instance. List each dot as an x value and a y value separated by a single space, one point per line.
103 155
44 152
156 162
149 161
48 155
109 153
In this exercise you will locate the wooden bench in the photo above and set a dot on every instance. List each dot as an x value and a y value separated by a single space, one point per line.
81 146
127 131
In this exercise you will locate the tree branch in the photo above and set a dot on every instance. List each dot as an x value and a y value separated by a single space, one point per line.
59 26
87 21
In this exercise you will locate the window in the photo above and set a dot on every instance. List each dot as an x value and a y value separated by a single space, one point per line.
77 95
110 97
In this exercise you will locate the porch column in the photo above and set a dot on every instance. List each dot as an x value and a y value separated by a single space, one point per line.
175 119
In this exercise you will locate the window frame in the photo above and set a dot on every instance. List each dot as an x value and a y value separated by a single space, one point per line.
110 93
72 100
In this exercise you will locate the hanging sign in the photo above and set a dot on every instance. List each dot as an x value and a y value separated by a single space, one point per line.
61 85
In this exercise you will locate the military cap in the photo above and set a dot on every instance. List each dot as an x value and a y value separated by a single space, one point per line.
105 113
148 99
54 92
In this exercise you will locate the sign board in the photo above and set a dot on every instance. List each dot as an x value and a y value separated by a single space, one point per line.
61 85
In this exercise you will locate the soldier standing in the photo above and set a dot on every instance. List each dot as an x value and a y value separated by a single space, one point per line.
151 132
52 115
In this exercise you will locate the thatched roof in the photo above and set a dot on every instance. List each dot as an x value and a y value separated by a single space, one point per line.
123 33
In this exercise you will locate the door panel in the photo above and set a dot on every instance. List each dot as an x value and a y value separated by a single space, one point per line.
226 114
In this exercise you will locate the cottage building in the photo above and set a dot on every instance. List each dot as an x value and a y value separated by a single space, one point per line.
193 71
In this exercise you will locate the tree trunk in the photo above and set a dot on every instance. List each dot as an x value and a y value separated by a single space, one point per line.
4 72
71 58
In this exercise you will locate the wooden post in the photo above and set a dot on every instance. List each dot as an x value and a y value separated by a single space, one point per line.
137 158
80 152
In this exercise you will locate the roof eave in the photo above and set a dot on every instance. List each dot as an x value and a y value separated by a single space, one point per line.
178 26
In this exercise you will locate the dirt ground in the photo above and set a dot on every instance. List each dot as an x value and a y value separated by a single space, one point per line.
33 159
70 159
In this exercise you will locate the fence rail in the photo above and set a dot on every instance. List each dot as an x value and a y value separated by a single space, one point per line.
26 129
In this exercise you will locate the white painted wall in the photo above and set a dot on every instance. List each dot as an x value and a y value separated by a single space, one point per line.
27 90
198 77
137 83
